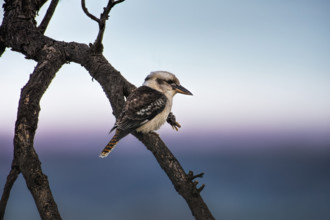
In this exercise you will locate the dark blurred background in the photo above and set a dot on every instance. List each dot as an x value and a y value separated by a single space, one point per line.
244 180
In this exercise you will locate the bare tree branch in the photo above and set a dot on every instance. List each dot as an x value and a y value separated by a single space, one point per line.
2 48
111 4
98 46
25 158
11 178
182 182
49 14
83 5
22 36
26 125
2 44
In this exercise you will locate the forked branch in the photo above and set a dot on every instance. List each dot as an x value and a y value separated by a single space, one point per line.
26 159
98 46
11 178
21 36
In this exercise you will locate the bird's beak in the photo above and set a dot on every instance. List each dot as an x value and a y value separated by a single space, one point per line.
181 89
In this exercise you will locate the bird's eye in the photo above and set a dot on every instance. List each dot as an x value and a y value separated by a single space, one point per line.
170 82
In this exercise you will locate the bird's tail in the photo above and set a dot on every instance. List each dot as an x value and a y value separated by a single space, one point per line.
112 143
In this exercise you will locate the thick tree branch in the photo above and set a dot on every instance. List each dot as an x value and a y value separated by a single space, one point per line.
26 125
49 14
2 44
2 48
11 178
21 35
181 181
25 158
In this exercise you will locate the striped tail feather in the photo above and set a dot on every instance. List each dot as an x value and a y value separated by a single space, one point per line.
111 145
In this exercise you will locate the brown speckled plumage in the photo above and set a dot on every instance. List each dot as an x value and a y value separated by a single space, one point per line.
147 107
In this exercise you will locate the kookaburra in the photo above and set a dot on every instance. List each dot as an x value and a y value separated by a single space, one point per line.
147 107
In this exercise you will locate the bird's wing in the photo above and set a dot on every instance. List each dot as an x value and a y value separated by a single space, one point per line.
141 106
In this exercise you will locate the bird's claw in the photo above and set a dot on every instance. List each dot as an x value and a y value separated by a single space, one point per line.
176 126
172 121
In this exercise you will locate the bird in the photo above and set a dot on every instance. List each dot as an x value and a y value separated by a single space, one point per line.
147 108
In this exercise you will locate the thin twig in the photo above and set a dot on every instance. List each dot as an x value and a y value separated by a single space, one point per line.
97 46
110 5
49 14
83 5
191 175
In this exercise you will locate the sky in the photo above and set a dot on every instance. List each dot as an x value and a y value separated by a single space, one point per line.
253 66
260 75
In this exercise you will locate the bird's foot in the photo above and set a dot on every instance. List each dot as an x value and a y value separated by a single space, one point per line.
176 126
172 121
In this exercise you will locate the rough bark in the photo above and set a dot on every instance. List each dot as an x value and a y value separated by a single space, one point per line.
26 125
183 183
11 178
19 32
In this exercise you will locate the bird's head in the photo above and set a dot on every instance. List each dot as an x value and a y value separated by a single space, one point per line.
166 83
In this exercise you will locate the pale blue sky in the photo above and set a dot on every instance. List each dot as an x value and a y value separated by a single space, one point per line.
250 64
260 74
